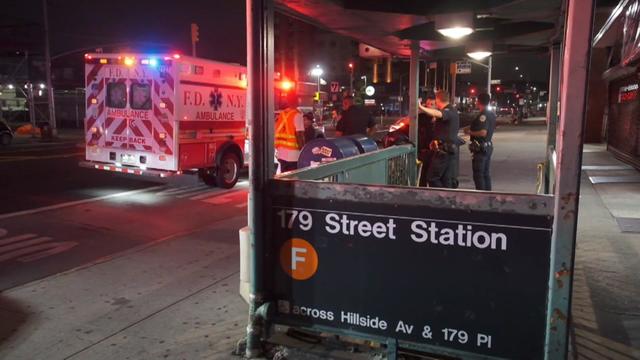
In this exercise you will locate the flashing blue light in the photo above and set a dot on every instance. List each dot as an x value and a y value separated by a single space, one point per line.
153 62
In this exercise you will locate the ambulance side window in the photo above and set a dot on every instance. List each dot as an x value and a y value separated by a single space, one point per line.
117 95
140 96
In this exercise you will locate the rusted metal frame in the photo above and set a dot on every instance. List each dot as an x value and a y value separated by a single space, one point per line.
260 59
573 100
539 205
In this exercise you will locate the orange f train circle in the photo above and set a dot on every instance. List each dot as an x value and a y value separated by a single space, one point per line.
299 259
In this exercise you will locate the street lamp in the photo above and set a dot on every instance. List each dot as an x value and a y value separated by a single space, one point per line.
317 72
517 68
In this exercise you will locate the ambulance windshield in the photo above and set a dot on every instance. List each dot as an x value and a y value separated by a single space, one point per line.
140 96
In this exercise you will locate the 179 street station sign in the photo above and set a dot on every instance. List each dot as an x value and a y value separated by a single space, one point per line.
451 278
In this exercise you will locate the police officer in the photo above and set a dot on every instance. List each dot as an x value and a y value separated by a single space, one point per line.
444 145
425 136
481 145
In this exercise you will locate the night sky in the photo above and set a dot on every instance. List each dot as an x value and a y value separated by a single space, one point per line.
165 26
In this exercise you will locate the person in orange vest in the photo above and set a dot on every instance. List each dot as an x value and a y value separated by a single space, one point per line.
289 134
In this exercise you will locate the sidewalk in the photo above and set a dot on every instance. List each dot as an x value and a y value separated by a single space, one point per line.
176 300
66 137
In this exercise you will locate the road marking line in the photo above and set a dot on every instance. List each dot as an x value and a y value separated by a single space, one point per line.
50 249
16 238
78 202
222 193
185 189
6 248
197 192
191 190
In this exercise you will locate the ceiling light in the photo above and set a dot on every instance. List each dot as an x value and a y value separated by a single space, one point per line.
479 55
455 26
456 32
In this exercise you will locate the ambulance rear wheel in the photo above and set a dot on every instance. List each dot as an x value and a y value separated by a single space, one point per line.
228 170
208 176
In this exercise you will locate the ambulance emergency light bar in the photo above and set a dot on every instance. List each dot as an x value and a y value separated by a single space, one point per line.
152 61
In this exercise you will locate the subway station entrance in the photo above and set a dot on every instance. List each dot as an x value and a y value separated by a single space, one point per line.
353 249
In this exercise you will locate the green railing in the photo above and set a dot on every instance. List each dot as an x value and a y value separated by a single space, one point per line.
395 165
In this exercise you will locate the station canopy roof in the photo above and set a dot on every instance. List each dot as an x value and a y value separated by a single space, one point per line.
509 25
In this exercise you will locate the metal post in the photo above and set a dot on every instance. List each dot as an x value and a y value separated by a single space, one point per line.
552 106
414 74
454 80
47 60
552 109
489 76
260 66
573 95
32 108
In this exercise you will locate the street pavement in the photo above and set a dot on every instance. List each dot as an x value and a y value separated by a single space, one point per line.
95 265
56 216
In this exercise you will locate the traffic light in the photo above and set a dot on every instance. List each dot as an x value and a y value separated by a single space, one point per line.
350 67
195 32
472 91
498 89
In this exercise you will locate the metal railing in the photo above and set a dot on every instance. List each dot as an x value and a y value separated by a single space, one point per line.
395 165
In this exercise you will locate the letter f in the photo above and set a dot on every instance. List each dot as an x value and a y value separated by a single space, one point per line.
295 259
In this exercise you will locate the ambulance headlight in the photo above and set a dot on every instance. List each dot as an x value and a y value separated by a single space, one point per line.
162 136
94 130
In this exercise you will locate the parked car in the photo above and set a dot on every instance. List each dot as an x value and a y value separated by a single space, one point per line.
6 134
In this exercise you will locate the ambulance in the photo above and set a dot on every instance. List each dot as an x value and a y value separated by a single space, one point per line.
165 114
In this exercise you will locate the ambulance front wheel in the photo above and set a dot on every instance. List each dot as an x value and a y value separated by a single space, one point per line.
228 170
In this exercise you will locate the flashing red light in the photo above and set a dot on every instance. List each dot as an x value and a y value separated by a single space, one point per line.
473 91
87 56
350 65
286 85
176 56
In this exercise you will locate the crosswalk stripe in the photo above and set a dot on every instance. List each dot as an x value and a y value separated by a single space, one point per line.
208 191
185 190
221 193
169 190
6 248
9 240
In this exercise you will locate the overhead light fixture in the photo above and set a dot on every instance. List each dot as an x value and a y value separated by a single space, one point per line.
455 26
479 50
479 55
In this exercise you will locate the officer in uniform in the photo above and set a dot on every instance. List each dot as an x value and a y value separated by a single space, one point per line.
481 145
425 136
444 145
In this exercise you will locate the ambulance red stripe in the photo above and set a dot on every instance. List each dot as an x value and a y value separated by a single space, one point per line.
92 73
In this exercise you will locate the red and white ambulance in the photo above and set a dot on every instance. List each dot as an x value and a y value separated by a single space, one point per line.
162 115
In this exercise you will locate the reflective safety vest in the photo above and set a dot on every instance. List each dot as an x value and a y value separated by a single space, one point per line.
285 132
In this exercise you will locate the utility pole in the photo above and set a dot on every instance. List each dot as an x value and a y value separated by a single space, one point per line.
47 60
195 37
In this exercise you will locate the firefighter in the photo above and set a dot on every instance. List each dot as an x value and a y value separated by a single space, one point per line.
289 134
481 145
444 145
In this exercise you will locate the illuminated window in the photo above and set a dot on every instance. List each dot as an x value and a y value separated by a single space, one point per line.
117 95
140 96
